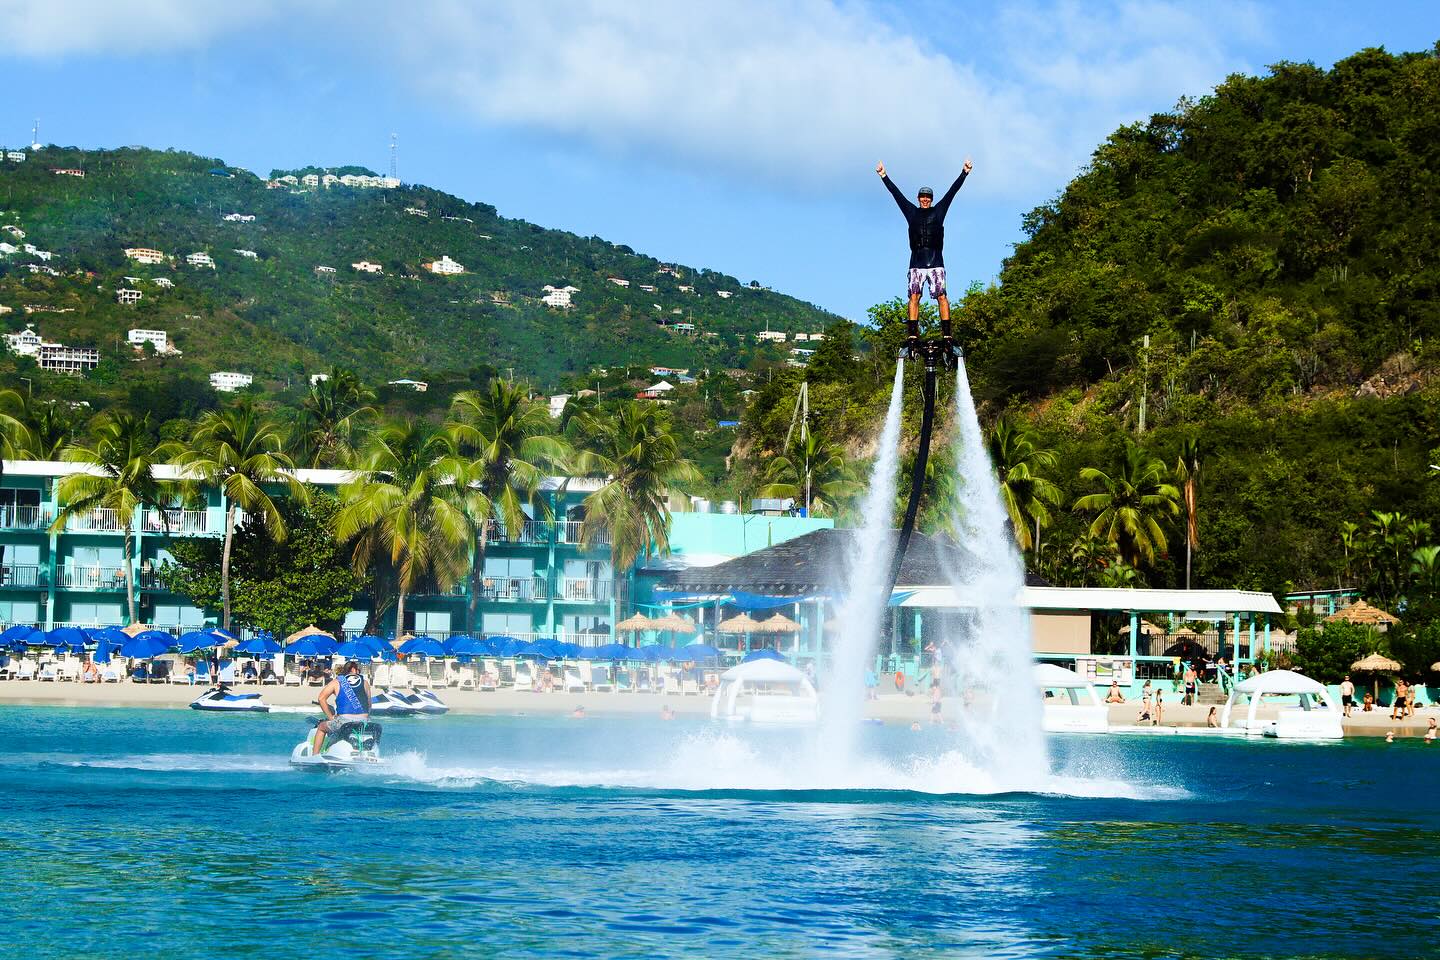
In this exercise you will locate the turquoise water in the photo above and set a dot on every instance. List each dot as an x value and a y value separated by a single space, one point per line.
133 833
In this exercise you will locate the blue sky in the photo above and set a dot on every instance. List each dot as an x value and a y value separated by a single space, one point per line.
740 136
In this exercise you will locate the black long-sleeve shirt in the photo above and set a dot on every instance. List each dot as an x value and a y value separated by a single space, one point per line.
927 224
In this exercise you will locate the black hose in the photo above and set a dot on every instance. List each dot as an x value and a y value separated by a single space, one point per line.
917 475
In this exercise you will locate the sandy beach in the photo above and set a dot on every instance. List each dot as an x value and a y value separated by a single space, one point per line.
890 708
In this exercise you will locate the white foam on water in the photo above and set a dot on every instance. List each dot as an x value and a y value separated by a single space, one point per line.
723 761
176 763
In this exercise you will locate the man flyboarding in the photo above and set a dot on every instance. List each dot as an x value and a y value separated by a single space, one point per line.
927 242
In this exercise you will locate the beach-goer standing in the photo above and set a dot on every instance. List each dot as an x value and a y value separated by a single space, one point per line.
1144 705
1190 680
1212 719
1159 709
926 221
1347 695
1431 731
935 706
1401 690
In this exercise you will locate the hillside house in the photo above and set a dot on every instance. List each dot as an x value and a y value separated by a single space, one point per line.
685 289
318 378
419 386
684 328
68 172
14 231
558 296
240 217
329 180
771 336
165 283
127 295
324 269
648 288
311 180
417 212
144 255
248 254
159 339
724 294
227 381
15 156
26 343
72 361
41 268
557 405
669 371
618 282
444 266
365 266
35 251
8 248
200 260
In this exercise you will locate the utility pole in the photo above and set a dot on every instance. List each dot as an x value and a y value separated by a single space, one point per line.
1144 379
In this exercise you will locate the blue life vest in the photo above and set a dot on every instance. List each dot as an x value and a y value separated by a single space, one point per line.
350 699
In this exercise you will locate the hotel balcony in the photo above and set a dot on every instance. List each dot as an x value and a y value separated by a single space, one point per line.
98 520
24 518
177 522
569 531
90 578
531 532
584 590
22 576
520 589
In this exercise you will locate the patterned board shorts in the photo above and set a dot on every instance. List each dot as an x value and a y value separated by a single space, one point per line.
935 276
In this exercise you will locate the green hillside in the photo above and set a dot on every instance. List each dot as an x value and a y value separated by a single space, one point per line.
276 317
1278 242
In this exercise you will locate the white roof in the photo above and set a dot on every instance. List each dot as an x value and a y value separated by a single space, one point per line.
1106 598
1279 681
764 671
1048 676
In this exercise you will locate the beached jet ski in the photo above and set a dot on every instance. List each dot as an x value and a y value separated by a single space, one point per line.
420 701
385 703
355 744
221 700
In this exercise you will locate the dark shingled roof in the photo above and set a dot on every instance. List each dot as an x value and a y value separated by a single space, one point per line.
815 563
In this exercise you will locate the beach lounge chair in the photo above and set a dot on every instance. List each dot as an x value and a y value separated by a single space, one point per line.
68 669
381 676
688 687
181 673
437 674
227 672
524 679
455 675
600 679
293 679
7 669
47 672
140 674
465 678
399 675
112 671
202 672
488 677
573 681
26 669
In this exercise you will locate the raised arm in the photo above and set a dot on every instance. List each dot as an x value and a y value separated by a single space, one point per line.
944 203
905 205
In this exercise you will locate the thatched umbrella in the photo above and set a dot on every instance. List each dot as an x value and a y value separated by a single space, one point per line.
1375 664
674 622
1147 628
1184 633
635 624
779 624
740 623
310 631
1367 616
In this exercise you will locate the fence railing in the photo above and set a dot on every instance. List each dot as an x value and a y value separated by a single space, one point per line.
24 517
177 521
90 578
513 588
584 590
22 575
531 531
98 519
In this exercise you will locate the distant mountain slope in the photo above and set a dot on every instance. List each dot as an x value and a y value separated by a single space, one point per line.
277 316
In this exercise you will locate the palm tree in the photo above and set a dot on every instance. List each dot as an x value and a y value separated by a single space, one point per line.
507 443
406 508
123 456
1134 497
1425 567
240 451
330 413
635 454
1351 541
1027 494
1187 473
813 472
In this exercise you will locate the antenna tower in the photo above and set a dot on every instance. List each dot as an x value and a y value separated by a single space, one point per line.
393 140
35 135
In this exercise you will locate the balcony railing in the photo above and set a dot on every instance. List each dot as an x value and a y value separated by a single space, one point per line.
98 519
531 531
177 521
569 531
513 588
24 517
90 578
584 590
21 576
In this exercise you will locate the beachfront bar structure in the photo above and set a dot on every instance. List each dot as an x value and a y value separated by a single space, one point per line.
538 581
1105 634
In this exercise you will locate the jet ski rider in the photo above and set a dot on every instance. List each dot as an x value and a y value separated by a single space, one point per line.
351 693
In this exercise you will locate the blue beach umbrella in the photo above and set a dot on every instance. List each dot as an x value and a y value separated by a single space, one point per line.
423 646
198 640
510 646
20 635
469 647
258 646
66 637
145 645
610 651
697 651
453 641
763 654
312 646
355 650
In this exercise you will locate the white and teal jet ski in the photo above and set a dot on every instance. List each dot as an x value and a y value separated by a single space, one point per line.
221 700
355 744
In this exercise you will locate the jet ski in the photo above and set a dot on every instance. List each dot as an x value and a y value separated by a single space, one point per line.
391 704
420 701
221 700
355 744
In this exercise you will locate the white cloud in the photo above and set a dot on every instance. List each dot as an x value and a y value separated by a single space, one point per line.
45 28
814 92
